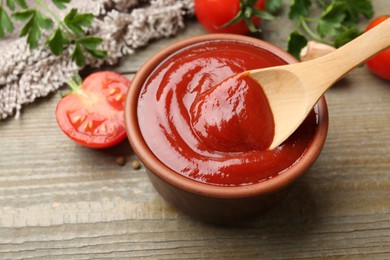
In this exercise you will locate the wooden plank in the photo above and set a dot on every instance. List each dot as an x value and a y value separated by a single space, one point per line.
59 200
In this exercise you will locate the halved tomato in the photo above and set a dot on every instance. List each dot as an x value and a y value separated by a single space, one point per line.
92 114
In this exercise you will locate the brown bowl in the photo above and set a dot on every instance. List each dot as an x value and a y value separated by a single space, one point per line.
217 204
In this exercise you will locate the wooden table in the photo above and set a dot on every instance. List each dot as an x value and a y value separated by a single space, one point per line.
60 200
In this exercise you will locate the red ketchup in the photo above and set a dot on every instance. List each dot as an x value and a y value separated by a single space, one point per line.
207 121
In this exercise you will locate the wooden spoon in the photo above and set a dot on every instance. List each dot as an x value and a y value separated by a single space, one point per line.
293 90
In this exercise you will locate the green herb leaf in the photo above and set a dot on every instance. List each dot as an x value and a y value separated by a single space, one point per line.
11 4
27 27
299 8
34 33
21 3
272 6
76 21
100 54
331 19
70 30
78 55
296 42
346 36
43 21
356 7
61 4
33 27
5 22
23 15
57 41
90 42
337 24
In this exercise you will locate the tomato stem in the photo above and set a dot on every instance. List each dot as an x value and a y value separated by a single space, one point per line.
247 10
75 82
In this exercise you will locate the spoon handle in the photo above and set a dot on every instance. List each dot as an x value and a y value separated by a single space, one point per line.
364 47
335 65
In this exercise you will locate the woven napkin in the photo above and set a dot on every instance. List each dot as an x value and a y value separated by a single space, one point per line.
124 26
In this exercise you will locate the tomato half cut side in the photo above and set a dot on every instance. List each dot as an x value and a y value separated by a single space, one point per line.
92 115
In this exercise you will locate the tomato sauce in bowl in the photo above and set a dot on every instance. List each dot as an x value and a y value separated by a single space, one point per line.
201 132
216 133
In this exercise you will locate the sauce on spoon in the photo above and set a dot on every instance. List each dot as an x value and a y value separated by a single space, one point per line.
233 116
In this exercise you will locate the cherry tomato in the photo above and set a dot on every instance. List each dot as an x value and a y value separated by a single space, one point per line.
212 14
379 64
92 115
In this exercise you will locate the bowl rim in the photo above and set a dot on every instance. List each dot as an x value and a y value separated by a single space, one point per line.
156 167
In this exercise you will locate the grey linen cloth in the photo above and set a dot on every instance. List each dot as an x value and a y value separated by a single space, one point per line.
124 26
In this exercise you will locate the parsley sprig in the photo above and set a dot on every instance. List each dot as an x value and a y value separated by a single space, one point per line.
337 24
69 32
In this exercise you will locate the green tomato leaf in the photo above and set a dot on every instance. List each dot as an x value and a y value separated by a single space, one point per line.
61 4
78 55
57 41
5 22
296 42
299 8
331 20
272 6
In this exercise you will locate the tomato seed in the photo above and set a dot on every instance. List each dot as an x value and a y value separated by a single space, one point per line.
76 119
118 97
103 128
113 90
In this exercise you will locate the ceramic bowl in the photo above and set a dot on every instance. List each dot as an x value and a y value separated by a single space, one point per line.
216 204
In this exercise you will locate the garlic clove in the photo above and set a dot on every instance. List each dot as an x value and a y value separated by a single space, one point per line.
315 50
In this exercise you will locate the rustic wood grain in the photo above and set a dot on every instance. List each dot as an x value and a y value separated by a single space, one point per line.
59 200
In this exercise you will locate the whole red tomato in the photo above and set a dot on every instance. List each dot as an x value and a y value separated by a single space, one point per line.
92 115
213 14
380 64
